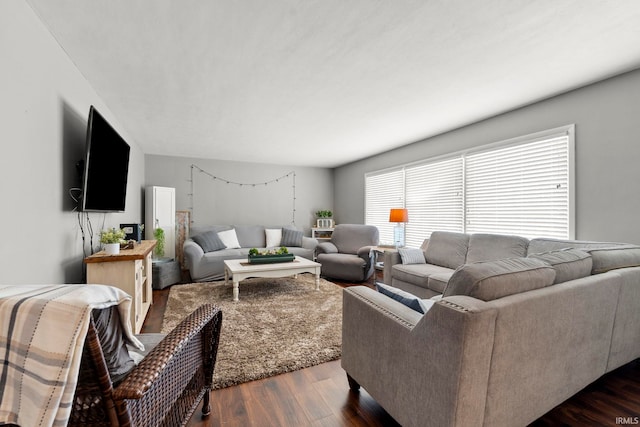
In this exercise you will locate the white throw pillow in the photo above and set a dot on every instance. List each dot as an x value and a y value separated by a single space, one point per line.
229 238
412 256
274 237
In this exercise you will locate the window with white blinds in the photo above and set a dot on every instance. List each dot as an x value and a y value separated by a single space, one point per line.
433 199
522 186
521 189
383 191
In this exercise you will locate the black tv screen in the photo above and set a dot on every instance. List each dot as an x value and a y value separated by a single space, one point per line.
106 167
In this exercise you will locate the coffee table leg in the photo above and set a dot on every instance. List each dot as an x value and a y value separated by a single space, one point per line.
317 279
236 289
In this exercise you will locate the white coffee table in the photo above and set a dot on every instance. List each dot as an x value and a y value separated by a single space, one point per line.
240 269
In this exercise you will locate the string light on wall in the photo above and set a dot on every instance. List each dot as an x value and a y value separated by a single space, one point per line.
291 174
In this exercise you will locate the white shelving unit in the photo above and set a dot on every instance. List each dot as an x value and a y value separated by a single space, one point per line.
322 233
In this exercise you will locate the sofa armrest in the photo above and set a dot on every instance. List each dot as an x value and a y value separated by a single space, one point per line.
391 258
433 366
366 253
189 346
326 248
192 253
309 242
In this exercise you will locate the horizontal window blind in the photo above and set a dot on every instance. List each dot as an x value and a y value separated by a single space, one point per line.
522 186
522 189
434 199
383 192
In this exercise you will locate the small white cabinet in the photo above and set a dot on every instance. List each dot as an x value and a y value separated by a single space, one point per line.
130 270
160 211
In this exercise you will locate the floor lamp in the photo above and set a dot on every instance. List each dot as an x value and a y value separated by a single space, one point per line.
400 217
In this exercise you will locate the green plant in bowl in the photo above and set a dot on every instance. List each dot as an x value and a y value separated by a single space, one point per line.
112 235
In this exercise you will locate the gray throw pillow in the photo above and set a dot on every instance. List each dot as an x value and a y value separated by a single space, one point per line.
209 241
412 256
404 297
496 279
291 237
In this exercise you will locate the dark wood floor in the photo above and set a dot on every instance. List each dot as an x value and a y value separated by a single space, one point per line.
320 396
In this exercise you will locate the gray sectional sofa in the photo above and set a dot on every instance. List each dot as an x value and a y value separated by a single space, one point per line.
519 326
204 255
445 251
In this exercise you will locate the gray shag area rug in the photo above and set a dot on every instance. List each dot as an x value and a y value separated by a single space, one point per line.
278 325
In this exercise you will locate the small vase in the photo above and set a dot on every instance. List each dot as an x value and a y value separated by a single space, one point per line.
112 248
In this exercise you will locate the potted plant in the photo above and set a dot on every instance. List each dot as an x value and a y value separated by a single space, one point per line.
158 234
324 214
111 239
324 219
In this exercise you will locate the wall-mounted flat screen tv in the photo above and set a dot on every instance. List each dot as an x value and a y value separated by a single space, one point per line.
106 166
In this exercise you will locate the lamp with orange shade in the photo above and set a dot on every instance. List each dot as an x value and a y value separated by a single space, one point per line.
400 217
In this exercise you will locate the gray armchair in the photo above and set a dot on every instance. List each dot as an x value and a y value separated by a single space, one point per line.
348 255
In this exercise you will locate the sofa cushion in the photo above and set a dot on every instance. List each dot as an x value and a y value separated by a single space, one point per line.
605 259
437 282
496 279
412 256
229 239
342 266
447 249
291 237
150 341
405 298
491 247
417 274
251 236
209 241
545 244
273 236
569 264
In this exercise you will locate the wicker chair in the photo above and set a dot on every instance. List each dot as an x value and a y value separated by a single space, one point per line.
164 389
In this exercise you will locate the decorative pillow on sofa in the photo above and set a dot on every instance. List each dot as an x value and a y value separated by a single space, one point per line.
410 300
229 239
291 237
209 241
412 256
569 264
496 279
274 237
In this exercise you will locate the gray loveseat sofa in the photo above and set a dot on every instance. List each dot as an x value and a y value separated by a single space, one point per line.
505 342
207 263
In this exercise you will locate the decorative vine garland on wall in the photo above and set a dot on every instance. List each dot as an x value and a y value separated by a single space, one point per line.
291 174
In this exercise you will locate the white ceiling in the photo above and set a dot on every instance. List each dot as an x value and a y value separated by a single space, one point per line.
326 82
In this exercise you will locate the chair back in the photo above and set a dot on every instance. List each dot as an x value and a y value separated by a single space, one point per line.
348 238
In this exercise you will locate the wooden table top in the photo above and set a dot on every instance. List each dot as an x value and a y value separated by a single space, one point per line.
139 251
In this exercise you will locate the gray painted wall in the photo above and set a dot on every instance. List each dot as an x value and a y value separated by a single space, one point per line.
216 202
43 114
607 119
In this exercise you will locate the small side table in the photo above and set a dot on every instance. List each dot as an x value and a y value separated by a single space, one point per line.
377 251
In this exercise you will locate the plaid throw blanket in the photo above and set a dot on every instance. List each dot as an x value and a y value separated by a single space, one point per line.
42 332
